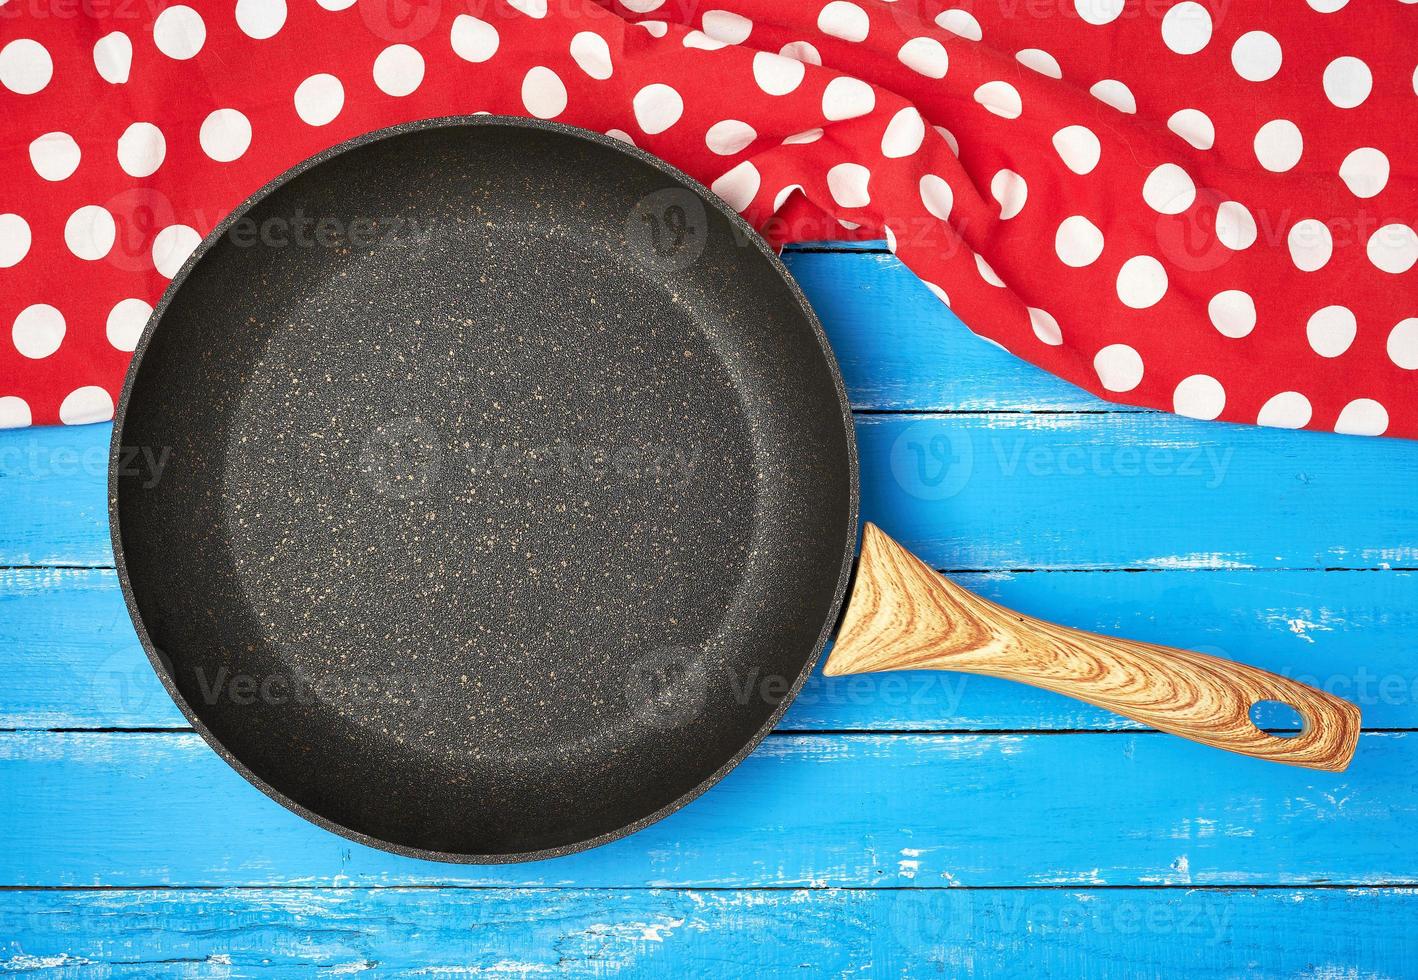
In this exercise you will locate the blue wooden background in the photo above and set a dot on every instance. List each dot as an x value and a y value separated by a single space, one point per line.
896 825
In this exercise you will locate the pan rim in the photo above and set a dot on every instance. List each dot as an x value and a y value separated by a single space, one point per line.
159 662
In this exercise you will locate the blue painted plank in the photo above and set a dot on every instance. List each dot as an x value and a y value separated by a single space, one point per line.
71 660
1136 491
900 348
1202 934
865 811
974 492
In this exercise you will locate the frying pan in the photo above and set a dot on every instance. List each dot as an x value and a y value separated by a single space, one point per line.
495 456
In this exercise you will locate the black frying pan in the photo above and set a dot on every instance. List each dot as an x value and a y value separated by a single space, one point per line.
501 464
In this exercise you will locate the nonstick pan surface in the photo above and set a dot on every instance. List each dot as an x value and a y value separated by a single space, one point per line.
508 489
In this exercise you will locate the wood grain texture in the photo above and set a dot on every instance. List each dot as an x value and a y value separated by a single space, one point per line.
123 809
903 615
70 658
673 934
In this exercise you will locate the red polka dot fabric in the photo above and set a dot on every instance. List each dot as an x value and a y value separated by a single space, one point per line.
1203 207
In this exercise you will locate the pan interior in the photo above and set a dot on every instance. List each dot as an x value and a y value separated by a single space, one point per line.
506 490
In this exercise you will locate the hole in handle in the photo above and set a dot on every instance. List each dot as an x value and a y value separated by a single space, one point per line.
1271 715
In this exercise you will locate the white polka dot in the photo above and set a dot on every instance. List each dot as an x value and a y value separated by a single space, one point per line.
90 232
987 272
1347 82
1279 145
1194 126
1199 397
1079 148
1311 244
937 292
536 9
54 156
847 98
739 186
727 26
334 5
113 57
260 19
1232 312
949 138
937 196
621 135
15 239
844 19
655 28
476 40
84 405
890 238
1235 227
961 23
398 70
1078 242
904 134
1394 248
171 248
1169 189
1326 6
319 99
1001 98
1010 191
847 183
1331 330
1041 61
1114 93
592 55
1365 172
1287 410
179 32
1119 367
642 6
775 74
925 56
1403 344
126 322
1186 28
225 135
1256 56
1046 328
25 66
14 412
1098 12
38 331
657 108
782 196
141 149
1142 282
801 51
729 137
802 139
543 93
1362 417
703 42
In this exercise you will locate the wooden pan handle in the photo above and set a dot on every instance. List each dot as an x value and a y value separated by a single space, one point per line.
903 615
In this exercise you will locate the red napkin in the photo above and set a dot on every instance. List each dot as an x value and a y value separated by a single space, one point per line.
1207 208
